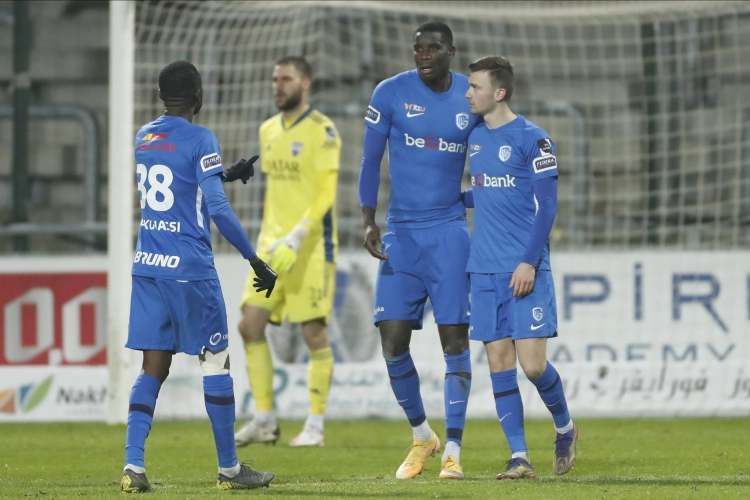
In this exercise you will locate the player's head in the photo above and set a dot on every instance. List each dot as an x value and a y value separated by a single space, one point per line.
292 79
433 51
490 83
180 86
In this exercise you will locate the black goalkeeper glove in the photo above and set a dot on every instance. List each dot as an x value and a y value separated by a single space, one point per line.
265 277
241 170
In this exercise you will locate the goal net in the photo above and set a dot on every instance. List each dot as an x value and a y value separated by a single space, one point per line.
646 102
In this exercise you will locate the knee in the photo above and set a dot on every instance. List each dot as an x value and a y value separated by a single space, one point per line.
160 373
393 346
214 363
250 330
456 345
533 369
315 334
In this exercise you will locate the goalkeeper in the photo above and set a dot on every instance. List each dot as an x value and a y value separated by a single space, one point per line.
300 150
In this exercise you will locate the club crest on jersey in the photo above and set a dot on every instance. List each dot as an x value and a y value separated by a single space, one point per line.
505 152
296 148
462 120
538 313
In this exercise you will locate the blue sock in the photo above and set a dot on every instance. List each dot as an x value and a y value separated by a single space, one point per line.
509 408
140 414
218 392
456 390
405 384
550 389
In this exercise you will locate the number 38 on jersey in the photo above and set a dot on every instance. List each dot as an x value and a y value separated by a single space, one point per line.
153 187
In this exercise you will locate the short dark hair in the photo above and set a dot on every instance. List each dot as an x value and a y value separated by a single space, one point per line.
500 71
437 27
179 81
299 62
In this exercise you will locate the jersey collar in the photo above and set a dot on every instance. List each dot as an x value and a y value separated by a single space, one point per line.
438 95
299 118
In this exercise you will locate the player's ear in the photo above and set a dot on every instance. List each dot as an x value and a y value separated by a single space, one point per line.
306 83
198 101
452 51
499 94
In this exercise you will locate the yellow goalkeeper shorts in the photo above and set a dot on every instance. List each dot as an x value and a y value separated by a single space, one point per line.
305 293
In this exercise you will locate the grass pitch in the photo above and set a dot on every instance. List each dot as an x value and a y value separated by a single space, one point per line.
654 459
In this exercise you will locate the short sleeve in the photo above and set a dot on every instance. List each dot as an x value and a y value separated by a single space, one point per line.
328 148
208 157
379 111
542 159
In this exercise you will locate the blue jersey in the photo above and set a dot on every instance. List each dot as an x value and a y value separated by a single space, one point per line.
173 156
427 134
504 162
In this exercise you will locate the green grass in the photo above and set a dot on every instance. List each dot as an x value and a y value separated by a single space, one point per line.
654 459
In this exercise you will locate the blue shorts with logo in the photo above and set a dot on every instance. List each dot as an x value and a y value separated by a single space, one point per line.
496 314
177 316
425 262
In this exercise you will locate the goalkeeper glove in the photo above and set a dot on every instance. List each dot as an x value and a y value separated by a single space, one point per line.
265 278
241 170
284 251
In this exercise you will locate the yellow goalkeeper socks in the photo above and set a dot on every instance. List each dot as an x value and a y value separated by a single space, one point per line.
260 372
319 373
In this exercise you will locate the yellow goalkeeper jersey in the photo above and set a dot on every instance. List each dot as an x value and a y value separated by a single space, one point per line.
292 154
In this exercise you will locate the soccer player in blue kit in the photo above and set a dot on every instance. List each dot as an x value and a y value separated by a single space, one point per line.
424 118
176 302
514 191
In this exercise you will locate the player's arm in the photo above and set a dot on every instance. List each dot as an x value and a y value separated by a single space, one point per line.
229 226
523 278
368 185
544 185
326 167
378 127
467 198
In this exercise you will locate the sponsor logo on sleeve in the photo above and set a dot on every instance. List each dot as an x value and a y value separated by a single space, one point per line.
210 162
372 115
462 120
330 134
544 163
545 146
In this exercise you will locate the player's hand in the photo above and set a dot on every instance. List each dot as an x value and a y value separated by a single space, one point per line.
265 277
522 281
284 251
373 243
242 170
283 257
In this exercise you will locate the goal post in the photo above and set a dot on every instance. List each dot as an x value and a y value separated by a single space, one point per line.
120 204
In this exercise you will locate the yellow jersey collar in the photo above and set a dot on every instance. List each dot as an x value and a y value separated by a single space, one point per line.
299 118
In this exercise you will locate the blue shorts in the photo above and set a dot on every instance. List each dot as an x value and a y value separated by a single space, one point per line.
426 262
496 314
177 316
